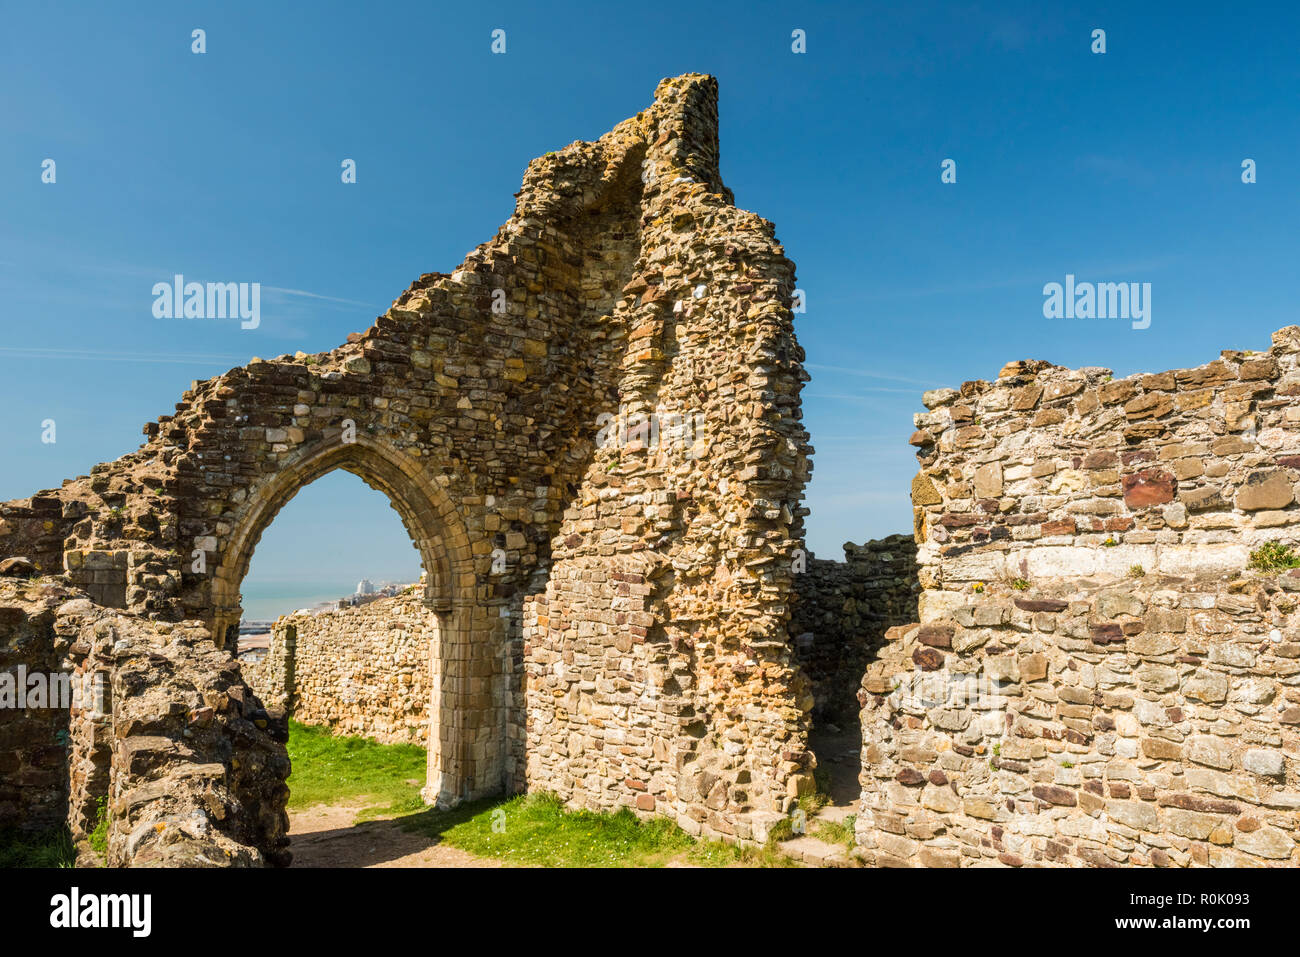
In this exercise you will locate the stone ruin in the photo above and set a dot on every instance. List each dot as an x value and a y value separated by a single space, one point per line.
1096 676
592 432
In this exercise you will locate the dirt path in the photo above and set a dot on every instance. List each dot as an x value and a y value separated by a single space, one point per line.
326 836
839 754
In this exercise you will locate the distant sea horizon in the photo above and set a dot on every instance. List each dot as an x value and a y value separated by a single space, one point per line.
268 601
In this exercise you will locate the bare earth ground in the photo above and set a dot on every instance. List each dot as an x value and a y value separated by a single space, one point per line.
325 836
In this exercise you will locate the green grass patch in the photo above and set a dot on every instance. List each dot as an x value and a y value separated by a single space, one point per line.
534 830
837 832
53 848
810 804
98 838
336 769
1274 557
537 830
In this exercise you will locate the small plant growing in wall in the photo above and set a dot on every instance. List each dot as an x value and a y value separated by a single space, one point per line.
1109 542
977 588
1019 584
1274 557
98 838
1136 571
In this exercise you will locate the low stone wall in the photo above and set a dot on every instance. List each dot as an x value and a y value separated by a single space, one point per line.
199 766
363 670
191 765
842 614
1152 723
1096 678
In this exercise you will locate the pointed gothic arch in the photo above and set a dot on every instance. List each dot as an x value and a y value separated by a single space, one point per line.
466 752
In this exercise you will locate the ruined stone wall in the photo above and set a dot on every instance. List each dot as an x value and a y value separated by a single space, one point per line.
191 766
199 766
362 671
34 528
660 673
842 614
33 740
501 408
1096 678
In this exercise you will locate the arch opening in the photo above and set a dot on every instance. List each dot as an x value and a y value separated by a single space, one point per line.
448 638
426 512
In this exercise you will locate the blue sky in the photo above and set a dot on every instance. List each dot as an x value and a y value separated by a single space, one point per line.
225 167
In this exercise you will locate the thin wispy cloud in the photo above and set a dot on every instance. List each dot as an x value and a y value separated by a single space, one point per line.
68 267
315 295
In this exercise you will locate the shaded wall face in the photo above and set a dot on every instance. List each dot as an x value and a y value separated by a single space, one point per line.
1097 677
34 528
841 616
34 731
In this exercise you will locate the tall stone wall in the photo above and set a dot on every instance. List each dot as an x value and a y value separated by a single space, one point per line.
842 614
363 670
592 431
660 674
162 729
1096 678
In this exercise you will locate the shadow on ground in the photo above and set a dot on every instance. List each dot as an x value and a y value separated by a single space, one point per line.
330 836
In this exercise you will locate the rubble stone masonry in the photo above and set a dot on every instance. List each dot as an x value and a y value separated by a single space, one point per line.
363 670
188 765
1096 678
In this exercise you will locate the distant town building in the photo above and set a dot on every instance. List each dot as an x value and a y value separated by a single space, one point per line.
365 587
